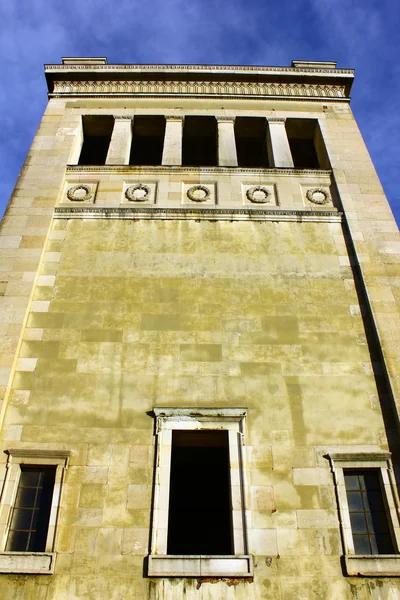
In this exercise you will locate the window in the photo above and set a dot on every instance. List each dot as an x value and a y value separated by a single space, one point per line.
199 493
306 144
368 510
199 525
199 142
147 140
368 519
251 141
29 510
97 131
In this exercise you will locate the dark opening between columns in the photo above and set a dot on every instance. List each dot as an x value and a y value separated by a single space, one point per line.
302 135
199 144
147 140
97 131
251 142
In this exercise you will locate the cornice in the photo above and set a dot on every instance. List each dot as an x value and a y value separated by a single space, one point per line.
337 82
239 69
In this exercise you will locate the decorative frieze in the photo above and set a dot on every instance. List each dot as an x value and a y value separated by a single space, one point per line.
190 88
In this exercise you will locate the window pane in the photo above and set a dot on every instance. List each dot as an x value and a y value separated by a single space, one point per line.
354 500
30 478
17 541
31 513
362 544
25 497
370 481
377 522
383 544
368 518
22 519
373 500
358 522
352 482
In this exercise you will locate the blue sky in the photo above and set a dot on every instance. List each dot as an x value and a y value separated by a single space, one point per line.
360 34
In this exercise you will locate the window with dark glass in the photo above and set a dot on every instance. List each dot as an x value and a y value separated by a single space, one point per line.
199 502
368 516
199 142
251 141
97 131
31 511
147 140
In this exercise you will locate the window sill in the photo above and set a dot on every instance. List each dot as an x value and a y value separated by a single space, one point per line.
200 566
380 565
36 563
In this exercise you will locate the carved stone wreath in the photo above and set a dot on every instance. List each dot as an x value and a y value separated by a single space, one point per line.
251 194
71 193
191 193
130 192
318 196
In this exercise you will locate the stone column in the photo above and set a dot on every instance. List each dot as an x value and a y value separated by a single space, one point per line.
278 148
172 151
120 144
227 156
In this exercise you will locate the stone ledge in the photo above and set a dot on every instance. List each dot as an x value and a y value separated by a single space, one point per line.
200 566
177 169
382 565
35 563
196 214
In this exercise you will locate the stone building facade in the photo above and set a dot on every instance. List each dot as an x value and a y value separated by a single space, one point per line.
200 331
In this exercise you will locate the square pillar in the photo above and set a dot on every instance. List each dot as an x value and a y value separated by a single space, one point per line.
120 144
278 149
227 156
172 151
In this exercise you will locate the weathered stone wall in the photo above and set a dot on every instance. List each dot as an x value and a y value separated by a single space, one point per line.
127 316
102 320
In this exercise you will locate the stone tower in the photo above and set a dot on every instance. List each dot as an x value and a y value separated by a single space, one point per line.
200 331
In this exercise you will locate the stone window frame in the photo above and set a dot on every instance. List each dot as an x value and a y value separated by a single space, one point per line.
377 564
160 564
30 562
